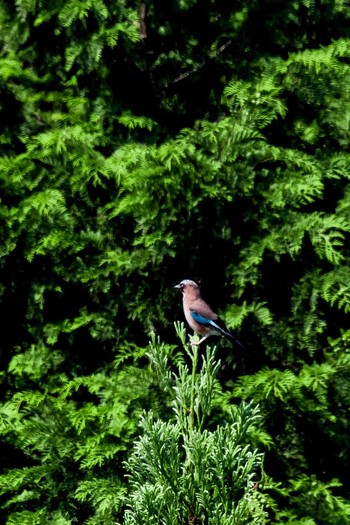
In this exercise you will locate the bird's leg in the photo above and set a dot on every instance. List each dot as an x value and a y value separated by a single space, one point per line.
201 341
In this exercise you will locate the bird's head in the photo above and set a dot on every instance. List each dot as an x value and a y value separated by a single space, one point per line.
187 285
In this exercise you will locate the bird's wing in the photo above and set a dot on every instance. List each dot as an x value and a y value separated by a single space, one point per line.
201 319
215 325
210 323
202 308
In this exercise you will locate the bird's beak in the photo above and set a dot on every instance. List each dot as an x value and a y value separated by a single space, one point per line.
177 286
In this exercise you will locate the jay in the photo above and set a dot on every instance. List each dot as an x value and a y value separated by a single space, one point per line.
199 315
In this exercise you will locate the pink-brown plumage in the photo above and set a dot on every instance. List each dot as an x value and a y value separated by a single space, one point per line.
192 301
199 315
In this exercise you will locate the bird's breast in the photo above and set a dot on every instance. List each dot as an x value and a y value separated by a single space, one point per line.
198 328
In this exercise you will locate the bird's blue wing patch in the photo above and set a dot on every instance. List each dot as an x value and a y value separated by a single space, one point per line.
201 319
204 321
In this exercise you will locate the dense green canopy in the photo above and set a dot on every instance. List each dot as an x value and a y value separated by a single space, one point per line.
141 144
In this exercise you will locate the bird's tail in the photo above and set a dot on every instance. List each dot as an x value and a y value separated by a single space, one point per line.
232 338
225 333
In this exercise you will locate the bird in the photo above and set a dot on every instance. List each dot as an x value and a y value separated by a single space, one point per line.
199 315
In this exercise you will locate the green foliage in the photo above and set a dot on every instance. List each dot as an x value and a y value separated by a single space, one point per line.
312 402
73 437
191 140
179 470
